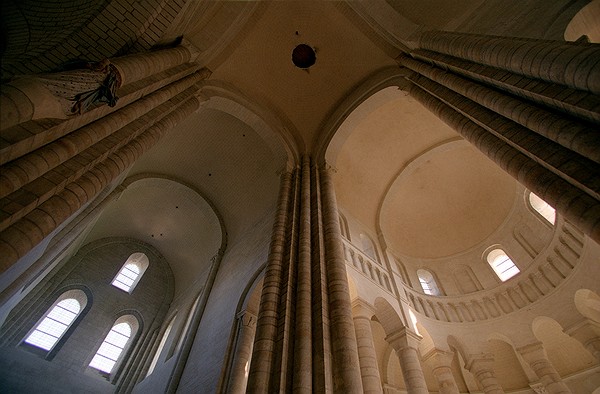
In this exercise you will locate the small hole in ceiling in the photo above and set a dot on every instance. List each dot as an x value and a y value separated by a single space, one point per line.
176 207
304 56
209 174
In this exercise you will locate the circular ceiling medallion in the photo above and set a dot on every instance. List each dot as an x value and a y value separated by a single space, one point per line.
304 56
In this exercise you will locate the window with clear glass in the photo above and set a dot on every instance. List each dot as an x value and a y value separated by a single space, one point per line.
502 265
428 283
57 320
111 349
131 272
542 207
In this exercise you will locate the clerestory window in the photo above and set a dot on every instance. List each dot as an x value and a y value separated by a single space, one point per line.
131 272
111 350
542 207
428 283
57 320
502 265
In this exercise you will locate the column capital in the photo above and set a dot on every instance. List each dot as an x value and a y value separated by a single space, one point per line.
539 388
440 361
583 325
480 362
439 358
588 333
532 352
247 319
361 308
404 338
326 167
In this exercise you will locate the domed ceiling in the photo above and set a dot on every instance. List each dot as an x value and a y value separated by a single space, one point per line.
404 173
446 202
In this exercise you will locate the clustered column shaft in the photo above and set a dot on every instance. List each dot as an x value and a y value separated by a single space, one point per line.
302 382
25 233
296 278
50 170
263 354
531 106
343 338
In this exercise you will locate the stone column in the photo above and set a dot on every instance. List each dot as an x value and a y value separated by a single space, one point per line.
514 99
588 333
442 371
405 343
241 361
27 98
560 62
535 355
24 234
263 353
568 132
68 150
574 203
136 67
369 370
302 381
483 369
343 337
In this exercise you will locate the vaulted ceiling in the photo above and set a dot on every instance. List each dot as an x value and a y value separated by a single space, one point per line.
400 170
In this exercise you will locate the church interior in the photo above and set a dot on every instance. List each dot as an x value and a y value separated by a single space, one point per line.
345 196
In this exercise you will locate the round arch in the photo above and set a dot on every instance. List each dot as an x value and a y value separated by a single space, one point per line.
587 303
387 316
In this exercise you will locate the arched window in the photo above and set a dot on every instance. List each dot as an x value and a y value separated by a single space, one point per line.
428 283
542 207
117 340
57 320
131 272
161 345
502 265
